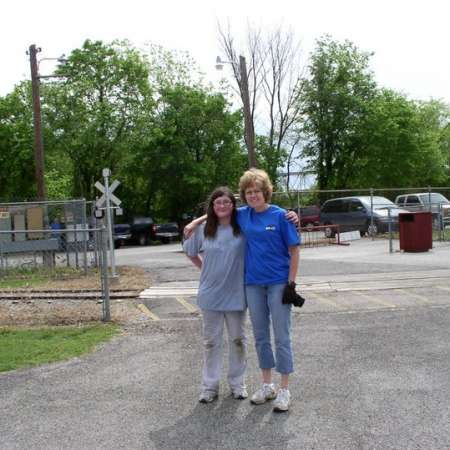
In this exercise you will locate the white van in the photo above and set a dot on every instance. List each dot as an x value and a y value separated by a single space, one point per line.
434 202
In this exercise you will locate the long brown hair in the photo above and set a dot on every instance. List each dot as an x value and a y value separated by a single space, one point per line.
212 222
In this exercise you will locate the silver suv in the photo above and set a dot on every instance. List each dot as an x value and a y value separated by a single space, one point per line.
434 202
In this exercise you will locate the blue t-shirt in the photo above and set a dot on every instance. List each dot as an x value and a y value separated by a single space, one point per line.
269 235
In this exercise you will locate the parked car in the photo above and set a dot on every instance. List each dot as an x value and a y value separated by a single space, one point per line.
309 216
167 232
354 213
425 201
143 230
121 235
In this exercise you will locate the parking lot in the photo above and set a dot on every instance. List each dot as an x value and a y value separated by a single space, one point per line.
372 358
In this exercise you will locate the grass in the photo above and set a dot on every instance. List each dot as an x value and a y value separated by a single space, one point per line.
30 277
70 278
20 348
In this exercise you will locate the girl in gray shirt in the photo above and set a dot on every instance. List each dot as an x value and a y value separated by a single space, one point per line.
217 248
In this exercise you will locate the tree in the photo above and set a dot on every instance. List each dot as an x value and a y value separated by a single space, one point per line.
191 148
336 99
94 112
275 86
400 146
17 179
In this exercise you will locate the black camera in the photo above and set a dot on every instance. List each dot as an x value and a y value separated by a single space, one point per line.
290 296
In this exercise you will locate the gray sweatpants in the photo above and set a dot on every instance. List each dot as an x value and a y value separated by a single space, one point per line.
213 324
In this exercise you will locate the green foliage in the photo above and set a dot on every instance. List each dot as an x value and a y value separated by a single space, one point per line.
170 139
401 144
359 136
16 145
147 117
336 99
171 68
27 348
191 148
95 111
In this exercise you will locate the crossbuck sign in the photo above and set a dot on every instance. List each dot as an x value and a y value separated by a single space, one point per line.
104 202
100 203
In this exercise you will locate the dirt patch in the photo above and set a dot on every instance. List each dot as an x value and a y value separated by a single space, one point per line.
65 312
42 312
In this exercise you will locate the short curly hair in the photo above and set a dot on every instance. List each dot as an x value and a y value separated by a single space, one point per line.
256 177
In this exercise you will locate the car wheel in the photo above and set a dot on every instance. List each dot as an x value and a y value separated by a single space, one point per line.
309 226
372 230
329 231
437 222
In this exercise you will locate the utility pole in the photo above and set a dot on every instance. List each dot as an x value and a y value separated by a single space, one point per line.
37 121
249 130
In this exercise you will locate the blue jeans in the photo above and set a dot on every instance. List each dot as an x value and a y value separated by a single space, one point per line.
264 304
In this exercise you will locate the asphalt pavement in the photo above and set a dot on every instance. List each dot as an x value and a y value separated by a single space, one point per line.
372 356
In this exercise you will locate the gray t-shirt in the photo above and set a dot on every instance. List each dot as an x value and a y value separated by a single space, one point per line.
222 277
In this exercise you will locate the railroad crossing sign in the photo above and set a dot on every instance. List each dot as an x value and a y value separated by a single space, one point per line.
104 202
112 198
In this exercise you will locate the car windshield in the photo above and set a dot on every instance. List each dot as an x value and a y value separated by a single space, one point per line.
142 220
121 228
435 198
379 203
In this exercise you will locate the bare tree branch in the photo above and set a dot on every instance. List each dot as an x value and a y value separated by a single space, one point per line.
275 80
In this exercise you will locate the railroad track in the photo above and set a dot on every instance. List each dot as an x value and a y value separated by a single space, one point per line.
65 294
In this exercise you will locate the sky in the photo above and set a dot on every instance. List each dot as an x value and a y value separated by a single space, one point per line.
410 39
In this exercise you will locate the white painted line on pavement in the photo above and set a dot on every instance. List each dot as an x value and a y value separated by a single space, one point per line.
169 291
443 288
412 294
321 299
376 300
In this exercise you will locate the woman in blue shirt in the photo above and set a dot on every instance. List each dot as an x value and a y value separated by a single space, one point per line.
271 263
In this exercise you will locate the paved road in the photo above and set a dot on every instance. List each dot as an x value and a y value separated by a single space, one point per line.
372 352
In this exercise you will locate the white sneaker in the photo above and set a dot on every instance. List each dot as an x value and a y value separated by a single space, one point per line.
207 396
283 400
239 393
264 393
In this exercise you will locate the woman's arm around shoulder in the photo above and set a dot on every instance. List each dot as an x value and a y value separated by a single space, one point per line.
191 226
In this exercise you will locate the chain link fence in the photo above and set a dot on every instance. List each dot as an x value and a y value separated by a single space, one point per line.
52 241
326 214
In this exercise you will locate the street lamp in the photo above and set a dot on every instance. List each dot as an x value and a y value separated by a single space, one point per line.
37 118
242 79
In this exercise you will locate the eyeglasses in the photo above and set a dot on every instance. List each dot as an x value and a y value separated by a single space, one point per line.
253 192
225 203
